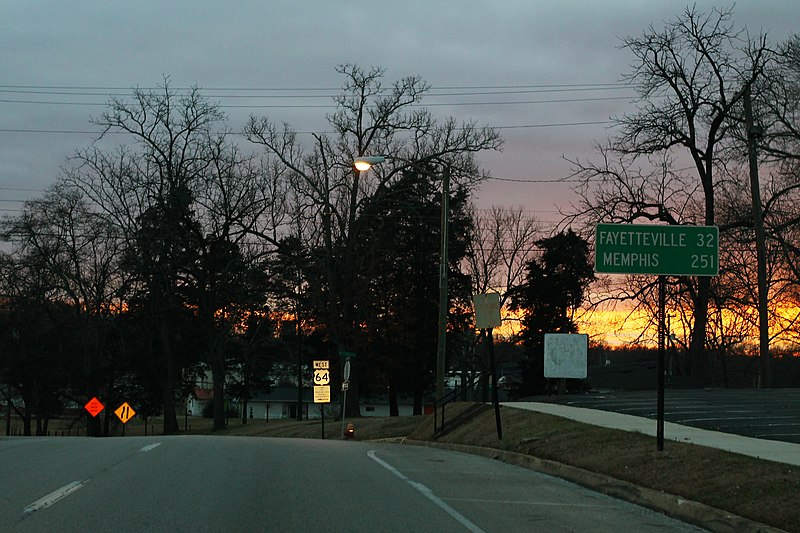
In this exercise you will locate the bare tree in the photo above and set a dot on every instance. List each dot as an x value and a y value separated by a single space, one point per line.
370 120
59 237
195 215
666 163
502 242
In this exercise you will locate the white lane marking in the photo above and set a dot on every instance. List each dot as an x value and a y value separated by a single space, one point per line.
522 502
54 496
150 447
425 491
727 418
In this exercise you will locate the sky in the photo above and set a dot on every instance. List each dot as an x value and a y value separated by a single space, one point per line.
545 72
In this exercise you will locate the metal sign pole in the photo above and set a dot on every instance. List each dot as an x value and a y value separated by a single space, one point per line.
344 403
8 409
495 401
345 386
661 338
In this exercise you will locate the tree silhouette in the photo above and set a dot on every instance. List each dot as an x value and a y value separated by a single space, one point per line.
554 289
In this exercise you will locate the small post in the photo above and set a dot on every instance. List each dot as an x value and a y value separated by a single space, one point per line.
8 409
495 401
345 385
322 411
344 403
487 317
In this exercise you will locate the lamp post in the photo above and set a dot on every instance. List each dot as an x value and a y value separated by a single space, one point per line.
363 164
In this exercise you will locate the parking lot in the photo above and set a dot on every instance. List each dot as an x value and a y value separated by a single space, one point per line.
762 413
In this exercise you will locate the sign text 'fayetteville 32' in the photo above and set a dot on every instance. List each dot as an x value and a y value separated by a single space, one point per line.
657 249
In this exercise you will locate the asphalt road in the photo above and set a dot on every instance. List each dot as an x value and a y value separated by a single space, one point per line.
196 483
772 414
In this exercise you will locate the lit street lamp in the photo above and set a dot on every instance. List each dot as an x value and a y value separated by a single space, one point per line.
363 164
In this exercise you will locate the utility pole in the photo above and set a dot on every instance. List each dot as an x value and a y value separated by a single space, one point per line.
441 346
753 133
299 333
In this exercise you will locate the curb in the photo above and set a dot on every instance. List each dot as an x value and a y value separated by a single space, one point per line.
689 511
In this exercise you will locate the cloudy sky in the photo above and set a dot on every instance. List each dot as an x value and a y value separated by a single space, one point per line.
545 72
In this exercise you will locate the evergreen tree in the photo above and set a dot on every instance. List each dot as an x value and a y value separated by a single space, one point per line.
400 269
553 290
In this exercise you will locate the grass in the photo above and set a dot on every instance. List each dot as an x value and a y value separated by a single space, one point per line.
763 491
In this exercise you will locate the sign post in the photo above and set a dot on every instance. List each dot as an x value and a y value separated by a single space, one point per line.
487 317
662 251
322 388
345 384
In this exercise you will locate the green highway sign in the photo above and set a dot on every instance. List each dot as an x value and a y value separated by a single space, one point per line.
656 250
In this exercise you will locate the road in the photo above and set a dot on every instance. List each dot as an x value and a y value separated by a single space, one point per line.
206 483
772 414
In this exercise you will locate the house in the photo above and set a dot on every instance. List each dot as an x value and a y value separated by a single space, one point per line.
280 403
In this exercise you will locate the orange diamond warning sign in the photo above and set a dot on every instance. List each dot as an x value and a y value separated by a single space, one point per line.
94 407
125 412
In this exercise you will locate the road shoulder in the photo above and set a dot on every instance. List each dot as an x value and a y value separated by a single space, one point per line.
692 512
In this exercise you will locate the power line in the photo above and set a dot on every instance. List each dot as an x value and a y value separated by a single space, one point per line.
302 93
489 178
19 189
66 132
334 106
536 180
98 132
552 86
330 96
105 104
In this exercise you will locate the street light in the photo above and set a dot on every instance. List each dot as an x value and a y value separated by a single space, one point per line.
363 164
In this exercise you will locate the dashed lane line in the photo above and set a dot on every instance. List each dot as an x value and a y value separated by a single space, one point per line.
69 488
54 496
428 493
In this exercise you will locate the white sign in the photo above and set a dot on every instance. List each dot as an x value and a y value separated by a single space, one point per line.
565 355
322 394
322 377
487 310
